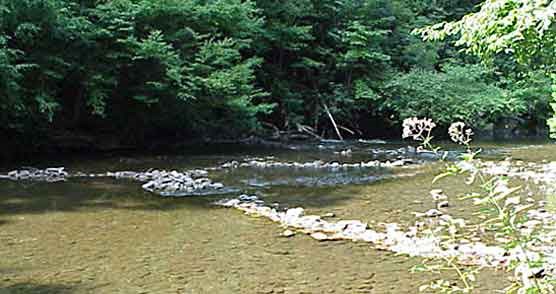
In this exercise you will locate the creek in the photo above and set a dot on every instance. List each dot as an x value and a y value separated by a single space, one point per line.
108 235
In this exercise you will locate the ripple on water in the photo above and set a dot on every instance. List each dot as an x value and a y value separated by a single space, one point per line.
112 236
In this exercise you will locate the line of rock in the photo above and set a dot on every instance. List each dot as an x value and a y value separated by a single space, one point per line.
317 164
412 242
47 175
164 183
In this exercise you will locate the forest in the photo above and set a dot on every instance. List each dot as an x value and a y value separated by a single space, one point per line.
130 72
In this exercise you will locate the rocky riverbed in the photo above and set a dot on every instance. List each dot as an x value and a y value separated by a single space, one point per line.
92 227
417 240
196 182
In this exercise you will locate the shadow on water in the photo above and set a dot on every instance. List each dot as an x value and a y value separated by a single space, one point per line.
31 198
28 288
111 195
78 195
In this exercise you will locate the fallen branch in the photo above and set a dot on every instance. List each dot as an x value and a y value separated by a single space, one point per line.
333 121
346 129
308 130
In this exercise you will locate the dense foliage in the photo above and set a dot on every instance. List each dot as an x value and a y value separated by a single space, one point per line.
524 30
138 69
131 66
438 95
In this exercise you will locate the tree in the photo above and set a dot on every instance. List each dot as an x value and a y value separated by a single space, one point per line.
524 29
457 93
135 66
137 69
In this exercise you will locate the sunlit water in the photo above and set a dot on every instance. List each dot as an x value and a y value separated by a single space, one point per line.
110 236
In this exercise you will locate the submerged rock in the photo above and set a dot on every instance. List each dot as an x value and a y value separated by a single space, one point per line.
335 179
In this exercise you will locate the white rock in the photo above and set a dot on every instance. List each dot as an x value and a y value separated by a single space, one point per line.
288 233
319 236
438 195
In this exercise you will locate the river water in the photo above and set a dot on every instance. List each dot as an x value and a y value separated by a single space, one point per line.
100 235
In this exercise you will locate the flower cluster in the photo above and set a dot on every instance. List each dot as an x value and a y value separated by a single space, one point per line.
460 134
501 212
417 129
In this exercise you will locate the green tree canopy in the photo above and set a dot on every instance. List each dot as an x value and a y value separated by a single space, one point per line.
522 28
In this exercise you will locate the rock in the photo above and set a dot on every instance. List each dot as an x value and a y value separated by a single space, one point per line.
292 215
33 174
352 229
438 195
175 183
397 163
329 214
346 152
172 183
228 202
395 239
373 141
288 233
319 236
429 213
247 198
265 164
442 204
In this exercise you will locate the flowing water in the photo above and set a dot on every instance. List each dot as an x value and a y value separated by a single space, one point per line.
98 235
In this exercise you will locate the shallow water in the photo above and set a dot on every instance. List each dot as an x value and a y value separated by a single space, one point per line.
110 236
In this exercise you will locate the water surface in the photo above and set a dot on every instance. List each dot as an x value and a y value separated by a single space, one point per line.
110 236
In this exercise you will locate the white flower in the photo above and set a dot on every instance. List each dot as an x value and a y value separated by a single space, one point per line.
417 129
459 134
